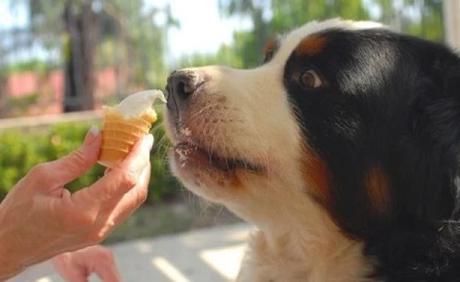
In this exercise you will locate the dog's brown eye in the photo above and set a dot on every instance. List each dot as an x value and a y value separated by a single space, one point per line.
310 79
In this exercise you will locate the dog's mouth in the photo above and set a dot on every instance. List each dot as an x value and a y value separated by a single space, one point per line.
191 154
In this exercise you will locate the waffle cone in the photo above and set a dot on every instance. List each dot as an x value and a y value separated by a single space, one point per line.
119 134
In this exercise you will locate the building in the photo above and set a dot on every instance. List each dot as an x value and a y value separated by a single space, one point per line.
33 93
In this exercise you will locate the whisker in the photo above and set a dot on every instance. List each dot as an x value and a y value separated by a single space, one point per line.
201 110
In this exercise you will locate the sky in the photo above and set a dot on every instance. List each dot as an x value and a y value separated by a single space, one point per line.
10 18
202 29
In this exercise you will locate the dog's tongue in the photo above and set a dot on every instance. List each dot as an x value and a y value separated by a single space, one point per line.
135 104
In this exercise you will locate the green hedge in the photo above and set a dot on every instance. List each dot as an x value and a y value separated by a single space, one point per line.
20 150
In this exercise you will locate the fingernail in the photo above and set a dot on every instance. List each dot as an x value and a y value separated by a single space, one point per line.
92 135
138 166
148 141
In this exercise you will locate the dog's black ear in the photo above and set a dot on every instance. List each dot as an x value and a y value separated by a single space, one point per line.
436 114
431 151
452 80
452 88
427 246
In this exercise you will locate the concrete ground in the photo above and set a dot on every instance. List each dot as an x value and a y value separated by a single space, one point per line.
206 255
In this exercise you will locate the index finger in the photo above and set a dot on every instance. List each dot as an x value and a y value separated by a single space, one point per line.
107 271
122 178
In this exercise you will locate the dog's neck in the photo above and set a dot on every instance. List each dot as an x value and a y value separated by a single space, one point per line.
300 243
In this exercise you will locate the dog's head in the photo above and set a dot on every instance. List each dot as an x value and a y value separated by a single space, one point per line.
344 117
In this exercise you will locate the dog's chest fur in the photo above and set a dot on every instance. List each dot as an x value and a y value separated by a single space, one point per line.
293 257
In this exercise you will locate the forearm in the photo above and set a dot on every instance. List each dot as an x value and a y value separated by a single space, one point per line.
10 264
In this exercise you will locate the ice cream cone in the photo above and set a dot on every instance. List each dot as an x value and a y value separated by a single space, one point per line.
120 132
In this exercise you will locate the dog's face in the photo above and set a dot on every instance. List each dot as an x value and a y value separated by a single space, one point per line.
341 118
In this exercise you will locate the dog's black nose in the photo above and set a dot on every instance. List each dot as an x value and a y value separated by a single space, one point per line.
180 87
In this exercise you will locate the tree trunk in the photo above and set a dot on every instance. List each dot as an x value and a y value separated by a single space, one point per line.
122 67
79 20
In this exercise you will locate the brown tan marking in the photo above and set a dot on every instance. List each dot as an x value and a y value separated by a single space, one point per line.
378 189
316 176
270 46
311 45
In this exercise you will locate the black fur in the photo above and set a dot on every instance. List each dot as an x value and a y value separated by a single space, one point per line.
391 101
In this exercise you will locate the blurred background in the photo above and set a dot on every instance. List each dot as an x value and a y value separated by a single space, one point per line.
61 60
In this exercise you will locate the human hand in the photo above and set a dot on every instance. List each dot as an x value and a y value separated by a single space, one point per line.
39 218
77 266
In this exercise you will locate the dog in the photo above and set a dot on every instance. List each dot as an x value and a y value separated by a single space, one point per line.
342 148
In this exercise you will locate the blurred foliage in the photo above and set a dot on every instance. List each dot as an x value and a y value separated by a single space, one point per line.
21 103
417 17
276 16
421 18
133 42
132 39
226 55
35 65
21 150
287 15
430 25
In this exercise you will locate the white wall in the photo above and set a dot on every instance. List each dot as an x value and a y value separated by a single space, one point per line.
452 22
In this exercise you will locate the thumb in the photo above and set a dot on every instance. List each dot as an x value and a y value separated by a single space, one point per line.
69 167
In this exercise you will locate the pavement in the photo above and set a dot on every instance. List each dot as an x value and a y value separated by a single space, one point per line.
205 255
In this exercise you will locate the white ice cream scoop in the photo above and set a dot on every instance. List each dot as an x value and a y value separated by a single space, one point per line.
136 104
